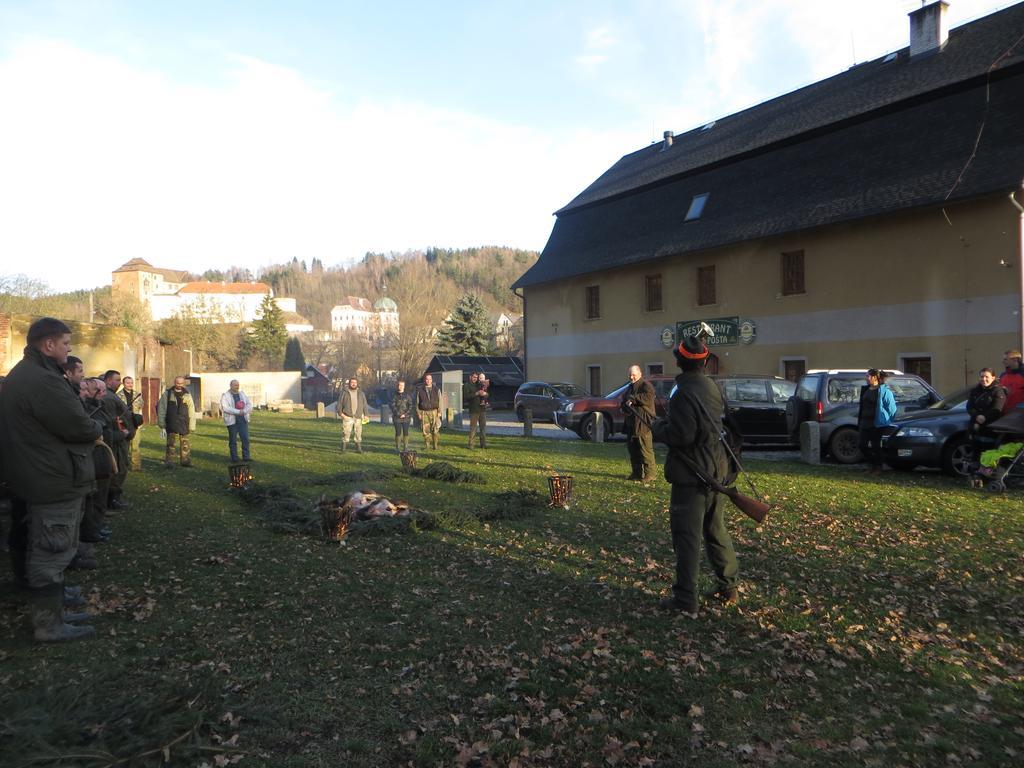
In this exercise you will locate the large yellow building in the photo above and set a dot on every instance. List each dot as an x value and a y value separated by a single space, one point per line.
865 220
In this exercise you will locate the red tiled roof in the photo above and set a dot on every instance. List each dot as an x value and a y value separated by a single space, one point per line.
225 288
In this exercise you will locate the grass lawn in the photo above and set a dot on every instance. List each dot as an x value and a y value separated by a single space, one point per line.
881 623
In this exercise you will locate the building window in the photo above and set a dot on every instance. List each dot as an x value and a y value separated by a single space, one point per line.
793 273
696 207
655 369
794 369
652 292
919 366
594 379
593 302
706 285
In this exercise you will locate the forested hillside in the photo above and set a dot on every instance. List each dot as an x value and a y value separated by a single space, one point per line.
444 274
487 271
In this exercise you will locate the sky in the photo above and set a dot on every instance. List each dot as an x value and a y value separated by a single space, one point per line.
202 134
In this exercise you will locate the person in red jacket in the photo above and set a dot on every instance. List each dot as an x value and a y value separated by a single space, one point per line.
1012 379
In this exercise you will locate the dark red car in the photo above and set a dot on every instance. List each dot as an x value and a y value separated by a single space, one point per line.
579 415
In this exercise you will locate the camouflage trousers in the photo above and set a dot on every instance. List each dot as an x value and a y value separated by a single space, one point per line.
135 450
185 450
430 423
52 541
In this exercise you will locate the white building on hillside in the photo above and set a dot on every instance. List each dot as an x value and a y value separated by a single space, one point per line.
214 302
358 315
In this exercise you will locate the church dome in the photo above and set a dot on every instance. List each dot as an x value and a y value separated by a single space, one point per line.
385 305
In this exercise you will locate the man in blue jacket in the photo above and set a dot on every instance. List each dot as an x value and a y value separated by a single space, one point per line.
47 439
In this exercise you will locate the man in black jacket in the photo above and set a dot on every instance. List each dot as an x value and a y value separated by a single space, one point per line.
47 439
638 407
428 409
691 432
121 415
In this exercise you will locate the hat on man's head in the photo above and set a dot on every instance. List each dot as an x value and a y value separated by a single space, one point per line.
692 348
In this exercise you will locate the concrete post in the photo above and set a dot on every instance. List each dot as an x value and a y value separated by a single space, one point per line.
598 427
810 442
385 413
321 410
527 422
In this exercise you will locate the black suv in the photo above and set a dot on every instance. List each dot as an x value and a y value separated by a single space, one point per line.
544 398
758 405
832 398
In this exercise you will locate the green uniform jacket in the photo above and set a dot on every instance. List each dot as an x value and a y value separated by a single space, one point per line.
471 396
190 408
45 435
401 406
116 408
641 393
686 430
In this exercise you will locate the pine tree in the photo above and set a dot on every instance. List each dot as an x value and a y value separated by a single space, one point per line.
268 335
293 358
467 330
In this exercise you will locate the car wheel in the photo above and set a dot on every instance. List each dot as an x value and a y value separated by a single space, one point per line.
958 459
844 446
793 416
519 414
588 427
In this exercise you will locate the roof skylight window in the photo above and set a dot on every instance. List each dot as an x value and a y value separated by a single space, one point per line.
708 126
696 207
890 57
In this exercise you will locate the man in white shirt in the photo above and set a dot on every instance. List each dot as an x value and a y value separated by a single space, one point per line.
237 407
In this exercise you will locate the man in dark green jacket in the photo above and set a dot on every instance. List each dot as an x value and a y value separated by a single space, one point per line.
638 407
121 415
476 402
47 441
691 432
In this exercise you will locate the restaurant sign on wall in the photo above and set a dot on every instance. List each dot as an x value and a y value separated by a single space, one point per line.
727 330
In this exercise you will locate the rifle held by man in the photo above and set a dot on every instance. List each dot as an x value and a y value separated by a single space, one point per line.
751 507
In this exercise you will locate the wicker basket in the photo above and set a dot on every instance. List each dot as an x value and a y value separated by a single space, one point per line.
408 459
560 489
239 475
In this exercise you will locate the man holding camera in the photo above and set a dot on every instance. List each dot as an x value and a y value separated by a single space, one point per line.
638 407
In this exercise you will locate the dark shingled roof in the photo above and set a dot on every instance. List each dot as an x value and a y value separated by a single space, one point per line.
500 370
881 137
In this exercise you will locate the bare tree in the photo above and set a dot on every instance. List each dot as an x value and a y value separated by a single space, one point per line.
423 297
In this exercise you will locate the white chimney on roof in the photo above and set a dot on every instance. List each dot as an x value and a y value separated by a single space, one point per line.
928 29
668 140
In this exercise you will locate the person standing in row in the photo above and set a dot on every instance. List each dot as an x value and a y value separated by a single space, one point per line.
475 396
135 404
638 407
46 440
93 528
352 408
176 415
428 409
237 408
124 431
401 415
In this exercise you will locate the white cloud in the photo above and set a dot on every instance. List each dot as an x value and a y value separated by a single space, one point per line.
597 42
103 163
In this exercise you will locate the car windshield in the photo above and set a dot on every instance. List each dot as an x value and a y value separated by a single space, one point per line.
907 390
617 392
569 390
951 401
